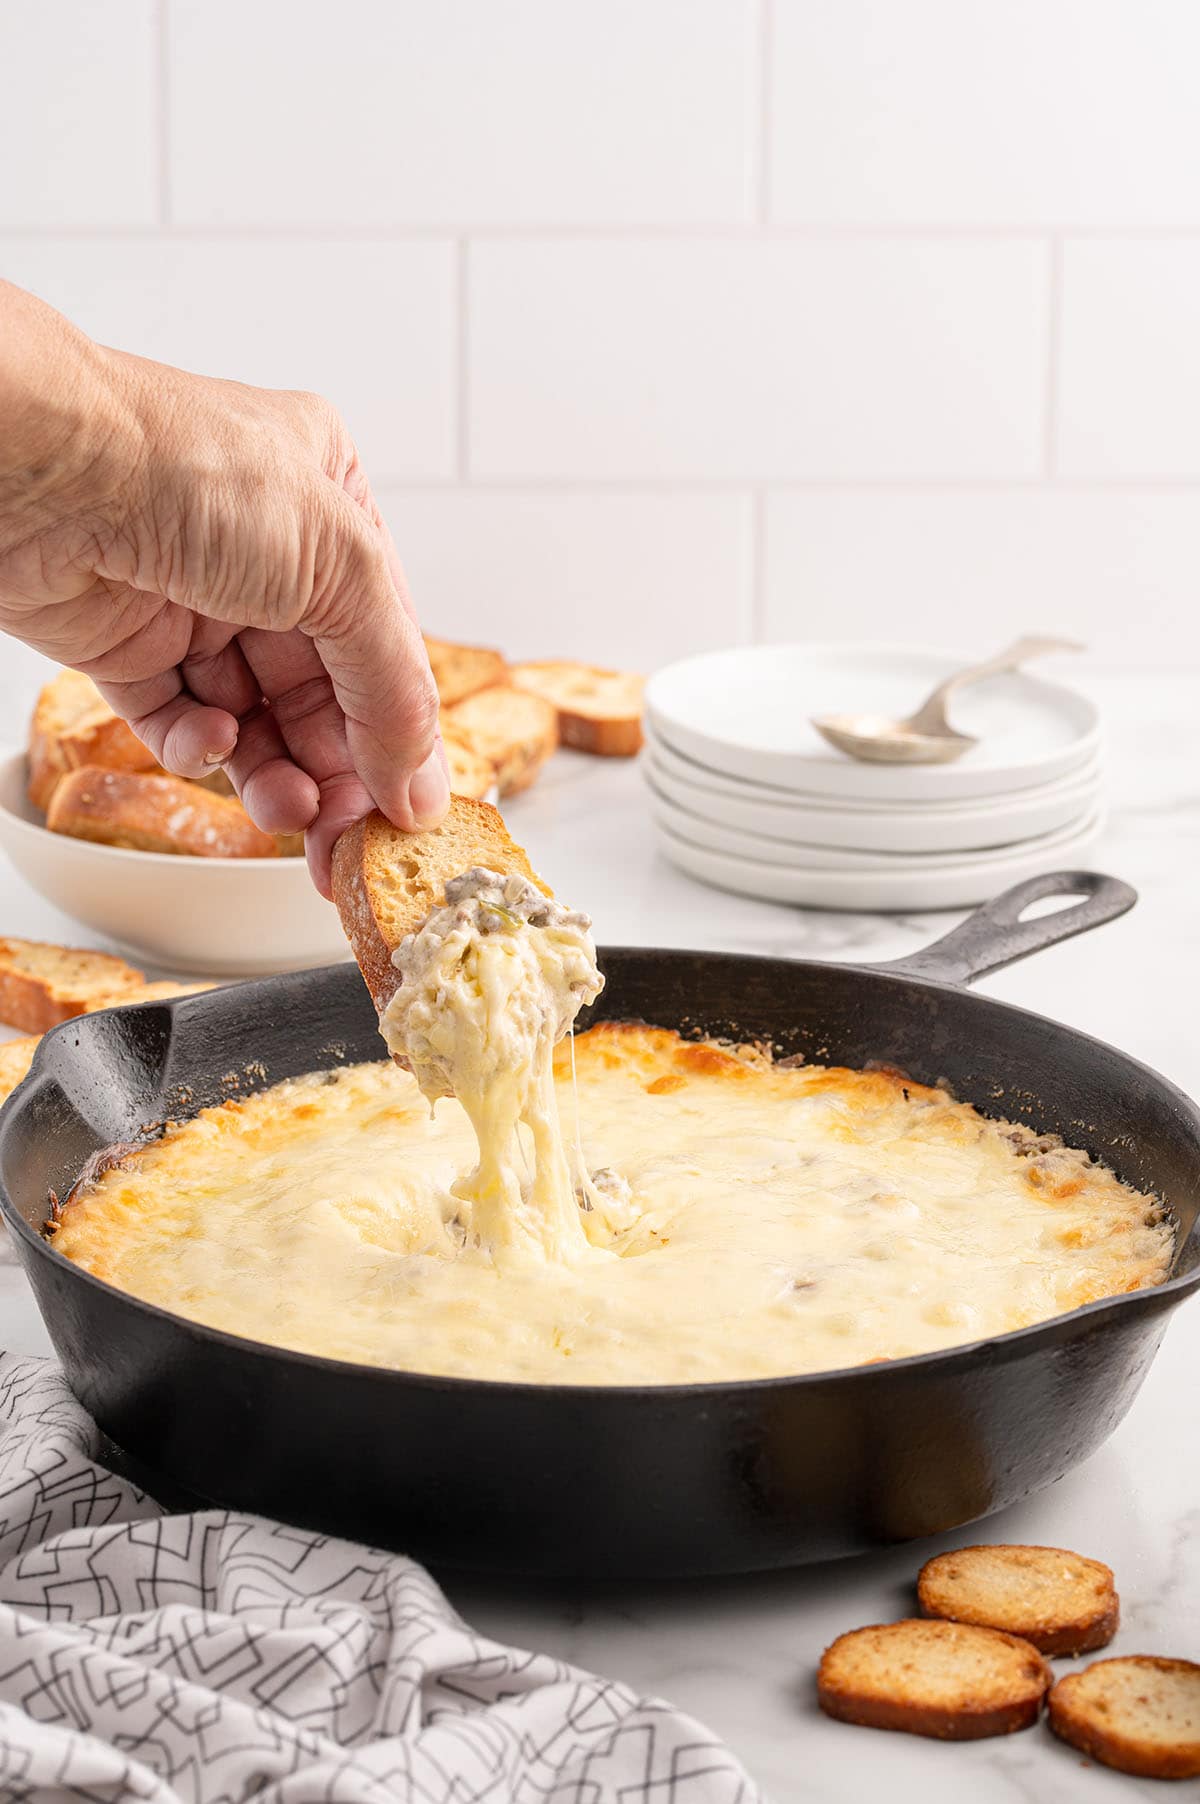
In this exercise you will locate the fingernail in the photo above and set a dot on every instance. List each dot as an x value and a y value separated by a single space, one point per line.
220 757
429 792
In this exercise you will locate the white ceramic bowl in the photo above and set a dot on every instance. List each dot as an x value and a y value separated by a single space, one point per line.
228 917
746 712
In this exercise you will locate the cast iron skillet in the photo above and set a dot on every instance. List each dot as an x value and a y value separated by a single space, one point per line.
668 1479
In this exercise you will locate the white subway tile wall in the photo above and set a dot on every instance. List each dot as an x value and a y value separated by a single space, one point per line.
480 112
79 113
370 325
553 574
733 359
1129 369
974 113
662 323
1116 569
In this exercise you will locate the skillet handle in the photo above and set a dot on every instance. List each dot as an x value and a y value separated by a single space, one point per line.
995 935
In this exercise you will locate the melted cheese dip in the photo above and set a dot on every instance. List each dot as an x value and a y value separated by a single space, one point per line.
490 983
764 1221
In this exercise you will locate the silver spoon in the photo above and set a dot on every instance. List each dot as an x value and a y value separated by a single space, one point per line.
926 737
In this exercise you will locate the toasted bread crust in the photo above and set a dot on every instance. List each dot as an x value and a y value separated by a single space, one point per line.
16 1056
72 726
162 990
600 738
1059 1601
599 711
945 1680
149 813
385 881
43 984
1139 1715
514 730
462 670
353 897
471 774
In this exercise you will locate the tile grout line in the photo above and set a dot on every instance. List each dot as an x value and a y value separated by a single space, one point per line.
163 118
795 485
1053 337
666 231
462 443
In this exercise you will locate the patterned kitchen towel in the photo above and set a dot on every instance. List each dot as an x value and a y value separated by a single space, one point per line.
217 1657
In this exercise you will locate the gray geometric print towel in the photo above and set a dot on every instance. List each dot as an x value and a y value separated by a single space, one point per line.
218 1657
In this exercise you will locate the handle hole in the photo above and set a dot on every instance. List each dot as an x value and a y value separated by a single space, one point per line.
1051 905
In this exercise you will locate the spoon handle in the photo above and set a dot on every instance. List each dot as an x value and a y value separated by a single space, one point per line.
931 715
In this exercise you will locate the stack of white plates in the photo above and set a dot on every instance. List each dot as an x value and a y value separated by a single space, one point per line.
746 794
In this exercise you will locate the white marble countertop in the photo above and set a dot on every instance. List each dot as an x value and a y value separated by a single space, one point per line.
740 1653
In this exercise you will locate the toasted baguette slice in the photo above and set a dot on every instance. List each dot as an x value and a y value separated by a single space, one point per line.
461 670
217 781
471 774
145 992
1140 1715
1061 1602
72 726
16 1056
155 814
386 882
41 985
291 845
944 1679
514 730
599 711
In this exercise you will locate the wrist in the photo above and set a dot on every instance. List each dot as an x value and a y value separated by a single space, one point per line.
71 434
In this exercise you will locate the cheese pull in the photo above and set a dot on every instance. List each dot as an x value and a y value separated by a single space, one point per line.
473 996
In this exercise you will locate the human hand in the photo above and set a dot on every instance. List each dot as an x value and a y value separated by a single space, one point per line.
212 556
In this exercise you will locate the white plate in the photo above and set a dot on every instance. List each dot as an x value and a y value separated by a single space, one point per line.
737 842
230 917
954 827
746 712
876 892
745 789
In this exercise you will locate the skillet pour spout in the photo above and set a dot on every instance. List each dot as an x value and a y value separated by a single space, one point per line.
681 1479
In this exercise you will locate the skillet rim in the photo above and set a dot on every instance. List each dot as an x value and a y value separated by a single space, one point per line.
1005 1346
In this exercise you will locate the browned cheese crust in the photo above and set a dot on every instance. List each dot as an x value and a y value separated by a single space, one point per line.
760 1239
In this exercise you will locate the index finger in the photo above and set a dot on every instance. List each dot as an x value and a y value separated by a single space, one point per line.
371 648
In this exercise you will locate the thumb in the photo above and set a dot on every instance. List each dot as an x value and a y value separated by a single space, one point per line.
375 657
